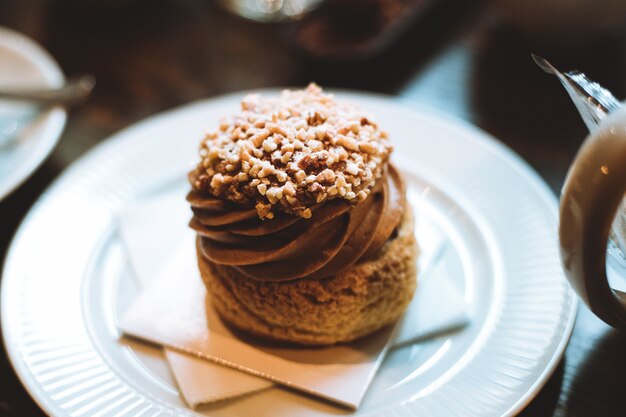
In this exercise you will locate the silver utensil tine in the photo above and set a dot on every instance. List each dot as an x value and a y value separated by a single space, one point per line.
592 101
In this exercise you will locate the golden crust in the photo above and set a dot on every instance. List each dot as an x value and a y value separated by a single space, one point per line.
354 303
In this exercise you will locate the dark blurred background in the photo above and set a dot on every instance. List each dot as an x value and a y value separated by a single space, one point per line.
466 59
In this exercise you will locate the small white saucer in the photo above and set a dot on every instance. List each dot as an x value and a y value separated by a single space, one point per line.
33 132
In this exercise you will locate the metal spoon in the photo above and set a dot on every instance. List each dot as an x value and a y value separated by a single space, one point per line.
73 92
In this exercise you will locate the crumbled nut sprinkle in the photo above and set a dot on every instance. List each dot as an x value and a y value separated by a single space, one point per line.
291 152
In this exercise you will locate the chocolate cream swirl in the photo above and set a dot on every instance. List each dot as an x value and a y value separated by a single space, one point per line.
288 247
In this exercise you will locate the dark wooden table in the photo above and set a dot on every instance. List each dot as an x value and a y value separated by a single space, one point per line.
149 56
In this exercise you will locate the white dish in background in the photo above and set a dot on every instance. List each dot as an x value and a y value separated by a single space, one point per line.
24 64
67 279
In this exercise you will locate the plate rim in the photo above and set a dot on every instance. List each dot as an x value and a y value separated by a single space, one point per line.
54 118
471 132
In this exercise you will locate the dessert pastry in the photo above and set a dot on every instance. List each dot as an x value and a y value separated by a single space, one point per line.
304 232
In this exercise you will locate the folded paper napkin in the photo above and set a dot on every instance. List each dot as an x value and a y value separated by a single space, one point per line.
155 229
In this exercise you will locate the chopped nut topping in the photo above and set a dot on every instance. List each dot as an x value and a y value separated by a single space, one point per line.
291 152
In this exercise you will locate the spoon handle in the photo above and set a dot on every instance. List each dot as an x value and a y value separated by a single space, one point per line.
73 92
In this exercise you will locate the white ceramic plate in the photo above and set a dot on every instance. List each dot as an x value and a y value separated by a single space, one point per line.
67 280
33 133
